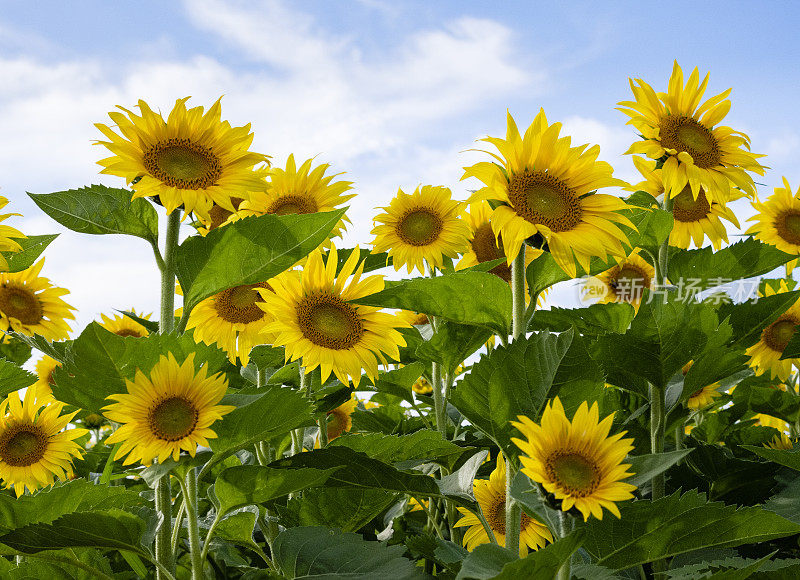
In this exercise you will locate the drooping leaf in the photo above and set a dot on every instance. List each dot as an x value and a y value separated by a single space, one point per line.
545 562
645 467
452 343
417 447
32 248
336 507
595 319
248 251
97 209
399 381
13 377
315 552
485 562
458 485
468 297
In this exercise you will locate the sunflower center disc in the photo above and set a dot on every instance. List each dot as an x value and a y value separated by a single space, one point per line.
788 226
128 332
336 424
543 199
328 321
183 164
23 445
240 304
292 204
779 333
629 283
486 250
686 208
419 227
20 303
173 419
573 473
497 515
685 134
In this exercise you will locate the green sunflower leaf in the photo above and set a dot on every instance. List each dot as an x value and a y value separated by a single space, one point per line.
97 209
13 377
653 227
768 400
248 251
645 467
452 343
544 272
399 381
595 319
706 268
316 552
371 261
418 447
32 248
653 530
336 507
749 319
786 457
468 297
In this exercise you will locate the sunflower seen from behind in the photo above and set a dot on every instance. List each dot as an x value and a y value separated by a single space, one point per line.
546 187
30 304
578 462
424 226
123 325
765 355
316 322
491 496
172 409
685 134
36 447
8 243
192 159
778 221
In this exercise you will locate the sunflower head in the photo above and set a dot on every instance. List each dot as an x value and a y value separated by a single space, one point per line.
44 372
544 186
625 282
578 462
339 420
766 354
166 412
123 325
192 159
7 235
35 446
704 397
778 220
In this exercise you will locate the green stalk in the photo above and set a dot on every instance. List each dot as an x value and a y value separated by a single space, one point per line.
563 530
438 399
163 549
195 550
513 510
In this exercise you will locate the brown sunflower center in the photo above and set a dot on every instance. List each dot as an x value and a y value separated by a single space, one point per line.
22 445
219 215
686 134
20 303
544 199
495 514
328 321
290 204
630 282
697 393
487 249
573 473
685 208
183 164
778 334
173 419
240 304
337 424
128 332
419 227
788 226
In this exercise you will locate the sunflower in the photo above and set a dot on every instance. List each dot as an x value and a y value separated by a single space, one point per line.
491 496
44 371
625 282
422 387
703 397
778 221
125 325
694 217
679 130
339 420
423 226
7 244
544 187
169 411
31 305
577 462
413 318
780 442
233 320
765 355
35 448
191 159
313 319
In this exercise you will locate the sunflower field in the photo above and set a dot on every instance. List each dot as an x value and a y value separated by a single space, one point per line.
413 408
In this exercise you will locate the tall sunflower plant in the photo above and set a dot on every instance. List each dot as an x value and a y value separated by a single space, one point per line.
418 405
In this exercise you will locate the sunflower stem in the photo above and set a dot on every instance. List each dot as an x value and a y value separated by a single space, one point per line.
217 519
195 550
438 399
564 528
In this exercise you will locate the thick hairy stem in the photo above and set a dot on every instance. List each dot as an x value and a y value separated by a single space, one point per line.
564 528
439 403
195 550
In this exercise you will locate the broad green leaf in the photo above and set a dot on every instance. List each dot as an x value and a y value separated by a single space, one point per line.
398 382
468 297
595 319
653 226
237 527
98 209
15 350
13 377
579 377
112 528
727 569
485 562
510 381
787 457
418 447
544 563
645 467
458 485
530 497
653 530
93 565
749 319
254 484
786 503
706 268
358 470
315 552
452 343
248 251
344 508
770 401
32 248
664 336
265 356
544 272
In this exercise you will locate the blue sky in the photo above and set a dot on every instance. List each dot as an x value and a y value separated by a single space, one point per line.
390 92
